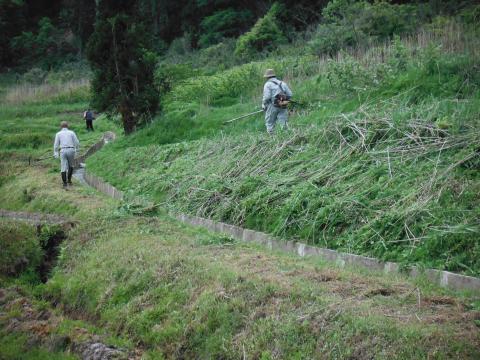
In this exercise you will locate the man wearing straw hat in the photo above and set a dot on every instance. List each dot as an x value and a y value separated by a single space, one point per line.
67 142
276 95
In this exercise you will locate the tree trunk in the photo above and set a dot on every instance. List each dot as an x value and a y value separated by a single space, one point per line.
128 119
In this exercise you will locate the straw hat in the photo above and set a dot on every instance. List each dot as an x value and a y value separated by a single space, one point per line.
269 73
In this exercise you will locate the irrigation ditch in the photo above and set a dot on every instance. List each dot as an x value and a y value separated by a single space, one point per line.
446 279
51 231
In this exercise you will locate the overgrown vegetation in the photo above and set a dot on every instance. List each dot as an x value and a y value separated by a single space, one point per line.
265 34
180 291
190 293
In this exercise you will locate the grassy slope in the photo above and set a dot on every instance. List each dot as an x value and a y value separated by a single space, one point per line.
383 161
172 291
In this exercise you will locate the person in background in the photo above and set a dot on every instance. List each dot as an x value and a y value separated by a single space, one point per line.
65 145
276 96
88 116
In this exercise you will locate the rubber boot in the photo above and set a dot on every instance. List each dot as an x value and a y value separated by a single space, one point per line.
70 173
64 179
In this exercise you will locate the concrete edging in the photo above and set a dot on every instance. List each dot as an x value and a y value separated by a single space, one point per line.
443 278
103 186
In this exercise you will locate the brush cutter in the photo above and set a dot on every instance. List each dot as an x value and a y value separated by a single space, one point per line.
243 116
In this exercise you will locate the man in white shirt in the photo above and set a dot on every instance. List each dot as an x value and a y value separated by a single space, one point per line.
276 95
67 143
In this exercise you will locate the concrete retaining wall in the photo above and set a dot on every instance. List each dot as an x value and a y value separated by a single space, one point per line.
102 186
106 138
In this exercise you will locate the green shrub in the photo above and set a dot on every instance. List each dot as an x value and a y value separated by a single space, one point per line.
381 20
330 38
399 57
471 15
209 60
168 76
264 35
180 46
348 75
35 76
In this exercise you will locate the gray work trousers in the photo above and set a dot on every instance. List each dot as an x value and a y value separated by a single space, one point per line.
66 159
273 115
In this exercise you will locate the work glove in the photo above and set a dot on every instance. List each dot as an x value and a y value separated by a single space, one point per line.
264 107
55 155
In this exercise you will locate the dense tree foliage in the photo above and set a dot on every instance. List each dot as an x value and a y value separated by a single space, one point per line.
200 23
120 54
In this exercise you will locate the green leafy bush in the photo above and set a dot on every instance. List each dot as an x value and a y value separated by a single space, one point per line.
169 75
471 15
348 75
209 60
399 56
381 20
264 35
329 39
180 46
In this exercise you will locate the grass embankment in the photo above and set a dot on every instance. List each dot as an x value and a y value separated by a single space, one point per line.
382 160
27 131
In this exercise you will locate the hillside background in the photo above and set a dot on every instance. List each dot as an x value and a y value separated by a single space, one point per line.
382 156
